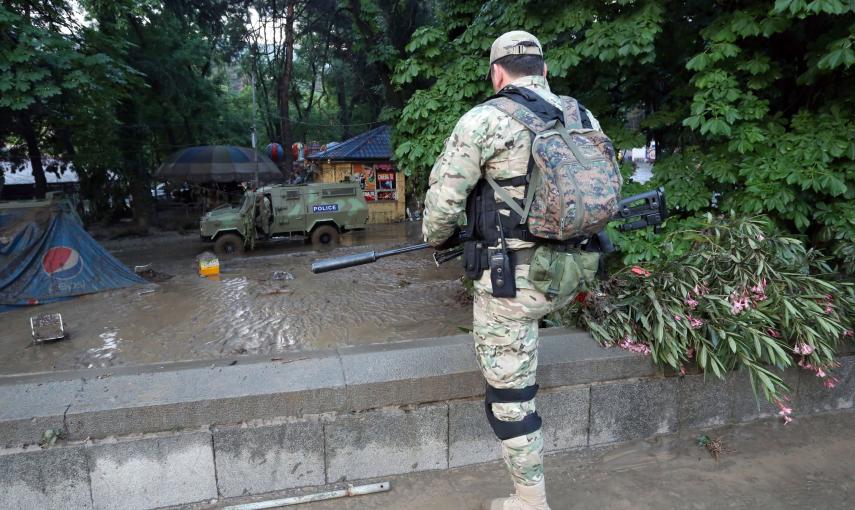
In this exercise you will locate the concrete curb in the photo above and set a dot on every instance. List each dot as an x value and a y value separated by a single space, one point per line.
613 397
156 399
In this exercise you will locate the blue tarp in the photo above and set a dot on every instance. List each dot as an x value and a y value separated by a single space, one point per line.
46 255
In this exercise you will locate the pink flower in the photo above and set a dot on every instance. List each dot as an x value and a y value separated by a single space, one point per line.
631 345
804 364
831 382
701 289
774 333
803 349
677 318
759 291
760 238
640 271
829 308
682 370
848 332
738 303
820 372
694 322
784 411
691 303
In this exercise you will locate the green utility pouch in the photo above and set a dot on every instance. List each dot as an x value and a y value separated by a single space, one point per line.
559 274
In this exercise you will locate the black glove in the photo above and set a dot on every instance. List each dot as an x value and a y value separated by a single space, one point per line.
452 241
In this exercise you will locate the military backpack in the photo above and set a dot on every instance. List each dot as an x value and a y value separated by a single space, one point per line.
573 184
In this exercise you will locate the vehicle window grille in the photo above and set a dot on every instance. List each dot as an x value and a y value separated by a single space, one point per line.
341 192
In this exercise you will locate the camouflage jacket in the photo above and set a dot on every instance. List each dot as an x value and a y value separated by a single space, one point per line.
485 141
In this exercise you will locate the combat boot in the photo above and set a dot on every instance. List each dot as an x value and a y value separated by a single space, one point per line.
527 497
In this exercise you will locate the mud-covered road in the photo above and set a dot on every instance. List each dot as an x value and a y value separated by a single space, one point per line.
806 465
249 309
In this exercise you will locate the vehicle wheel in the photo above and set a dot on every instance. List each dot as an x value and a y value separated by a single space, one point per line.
228 245
325 236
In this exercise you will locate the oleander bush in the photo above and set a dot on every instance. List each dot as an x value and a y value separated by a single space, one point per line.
741 295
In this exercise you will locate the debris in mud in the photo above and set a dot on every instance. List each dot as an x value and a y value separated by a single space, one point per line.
403 283
715 447
463 296
47 327
276 292
281 275
50 437
151 275
146 291
209 264
283 360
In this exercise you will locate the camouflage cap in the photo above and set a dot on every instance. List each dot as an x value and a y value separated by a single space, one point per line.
517 42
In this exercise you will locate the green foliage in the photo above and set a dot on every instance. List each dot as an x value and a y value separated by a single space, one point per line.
750 102
739 296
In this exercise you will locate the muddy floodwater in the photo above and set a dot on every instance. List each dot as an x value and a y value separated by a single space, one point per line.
267 302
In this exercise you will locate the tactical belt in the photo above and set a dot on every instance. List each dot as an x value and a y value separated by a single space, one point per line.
518 257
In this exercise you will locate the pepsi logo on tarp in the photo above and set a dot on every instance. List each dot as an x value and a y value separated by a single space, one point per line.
62 263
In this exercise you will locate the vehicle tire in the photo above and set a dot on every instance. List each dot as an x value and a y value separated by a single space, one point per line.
228 245
325 236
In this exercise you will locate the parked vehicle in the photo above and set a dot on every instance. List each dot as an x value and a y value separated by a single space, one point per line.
320 212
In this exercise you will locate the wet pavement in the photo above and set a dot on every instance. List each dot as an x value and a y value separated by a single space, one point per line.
254 307
805 465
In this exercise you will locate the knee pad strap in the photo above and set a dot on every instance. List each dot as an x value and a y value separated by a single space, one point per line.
510 429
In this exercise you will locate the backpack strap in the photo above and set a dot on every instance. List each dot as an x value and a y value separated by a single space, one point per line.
534 124
575 113
572 113
519 113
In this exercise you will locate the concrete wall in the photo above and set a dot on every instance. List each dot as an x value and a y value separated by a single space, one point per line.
255 427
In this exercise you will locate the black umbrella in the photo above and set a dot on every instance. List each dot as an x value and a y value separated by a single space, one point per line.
218 163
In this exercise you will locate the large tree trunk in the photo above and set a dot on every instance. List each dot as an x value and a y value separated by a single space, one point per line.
134 166
284 89
35 154
343 106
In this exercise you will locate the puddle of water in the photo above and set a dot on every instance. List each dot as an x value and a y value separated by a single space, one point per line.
249 310
103 355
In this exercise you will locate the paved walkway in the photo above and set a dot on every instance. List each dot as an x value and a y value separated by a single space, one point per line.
809 464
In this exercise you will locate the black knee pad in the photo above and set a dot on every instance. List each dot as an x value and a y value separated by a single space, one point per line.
510 429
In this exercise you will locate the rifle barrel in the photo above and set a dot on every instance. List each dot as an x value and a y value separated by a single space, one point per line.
357 259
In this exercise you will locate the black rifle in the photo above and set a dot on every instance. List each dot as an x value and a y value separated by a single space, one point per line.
636 212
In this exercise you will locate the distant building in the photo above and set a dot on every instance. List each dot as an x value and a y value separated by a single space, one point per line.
21 184
367 159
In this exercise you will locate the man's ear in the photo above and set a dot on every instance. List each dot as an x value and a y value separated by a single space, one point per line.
545 70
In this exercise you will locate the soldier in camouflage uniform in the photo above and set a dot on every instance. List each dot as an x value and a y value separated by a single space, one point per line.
488 142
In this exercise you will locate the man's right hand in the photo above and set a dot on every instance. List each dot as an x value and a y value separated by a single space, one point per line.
452 241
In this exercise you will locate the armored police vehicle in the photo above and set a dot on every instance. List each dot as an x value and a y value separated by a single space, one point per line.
321 212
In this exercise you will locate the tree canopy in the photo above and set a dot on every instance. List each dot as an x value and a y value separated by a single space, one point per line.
749 101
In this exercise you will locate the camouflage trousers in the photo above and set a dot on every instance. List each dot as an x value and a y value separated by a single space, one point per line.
505 331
